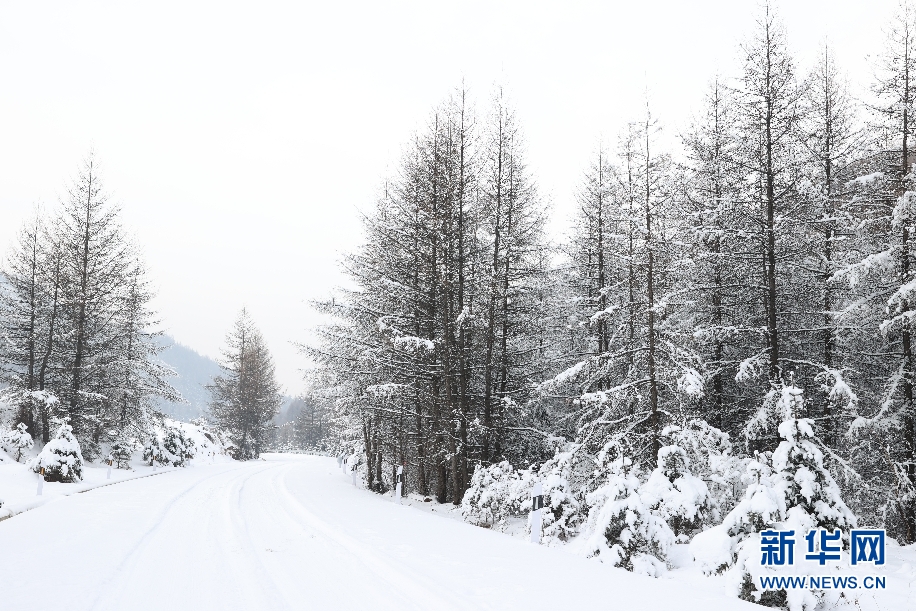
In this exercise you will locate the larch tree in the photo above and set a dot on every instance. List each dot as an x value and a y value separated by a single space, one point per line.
246 396
877 273
719 240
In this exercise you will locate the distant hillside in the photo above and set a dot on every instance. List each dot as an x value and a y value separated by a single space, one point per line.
194 371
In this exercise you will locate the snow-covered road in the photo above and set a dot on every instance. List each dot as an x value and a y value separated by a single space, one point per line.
291 534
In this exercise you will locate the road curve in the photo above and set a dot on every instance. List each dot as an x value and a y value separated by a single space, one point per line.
289 534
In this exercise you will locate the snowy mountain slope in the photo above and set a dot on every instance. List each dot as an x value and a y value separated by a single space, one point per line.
292 534
194 371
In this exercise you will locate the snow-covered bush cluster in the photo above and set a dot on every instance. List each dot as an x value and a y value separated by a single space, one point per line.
698 492
626 520
635 517
499 492
790 489
495 493
170 445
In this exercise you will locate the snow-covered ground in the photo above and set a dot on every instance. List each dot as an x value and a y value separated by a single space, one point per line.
292 532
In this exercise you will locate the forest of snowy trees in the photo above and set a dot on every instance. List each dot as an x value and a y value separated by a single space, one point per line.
78 339
730 310
721 343
79 346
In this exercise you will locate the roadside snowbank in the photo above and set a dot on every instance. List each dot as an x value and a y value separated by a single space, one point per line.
899 570
19 485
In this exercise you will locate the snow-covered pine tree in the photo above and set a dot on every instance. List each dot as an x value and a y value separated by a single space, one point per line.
512 220
29 315
876 314
76 310
61 459
718 236
97 258
768 115
137 375
648 369
413 309
22 318
781 217
831 140
597 219
311 428
620 528
431 357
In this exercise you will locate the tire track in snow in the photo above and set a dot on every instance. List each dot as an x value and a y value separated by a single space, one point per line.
393 572
252 554
112 586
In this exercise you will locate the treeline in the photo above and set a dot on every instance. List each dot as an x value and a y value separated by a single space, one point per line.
770 251
436 348
76 328
305 427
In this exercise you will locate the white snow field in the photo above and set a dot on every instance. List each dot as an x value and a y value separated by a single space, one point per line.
294 533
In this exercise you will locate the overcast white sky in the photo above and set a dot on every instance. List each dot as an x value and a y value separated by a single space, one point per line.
242 139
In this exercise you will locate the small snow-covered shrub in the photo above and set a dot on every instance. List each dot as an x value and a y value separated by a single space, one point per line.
61 457
154 452
677 496
622 530
16 441
179 445
563 511
169 446
121 451
710 458
499 492
494 494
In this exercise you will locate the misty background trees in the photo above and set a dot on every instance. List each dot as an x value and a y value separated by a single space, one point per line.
767 249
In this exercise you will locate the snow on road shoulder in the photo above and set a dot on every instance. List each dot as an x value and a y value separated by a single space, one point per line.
694 565
480 568
19 485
